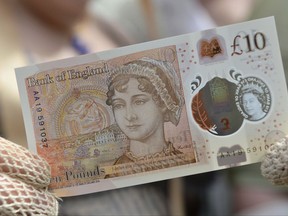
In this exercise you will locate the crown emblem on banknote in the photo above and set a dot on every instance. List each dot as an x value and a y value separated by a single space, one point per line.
252 86
211 48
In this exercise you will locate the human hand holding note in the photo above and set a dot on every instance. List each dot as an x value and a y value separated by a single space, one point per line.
24 179
274 166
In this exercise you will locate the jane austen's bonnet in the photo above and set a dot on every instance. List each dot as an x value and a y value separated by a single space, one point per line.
163 77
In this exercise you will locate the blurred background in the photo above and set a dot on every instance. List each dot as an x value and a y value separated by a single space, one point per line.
34 31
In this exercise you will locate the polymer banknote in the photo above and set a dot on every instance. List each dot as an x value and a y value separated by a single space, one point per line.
159 110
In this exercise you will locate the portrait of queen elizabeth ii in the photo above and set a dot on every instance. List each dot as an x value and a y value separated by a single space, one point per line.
253 102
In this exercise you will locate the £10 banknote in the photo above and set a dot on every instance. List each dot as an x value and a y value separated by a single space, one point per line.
168 108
